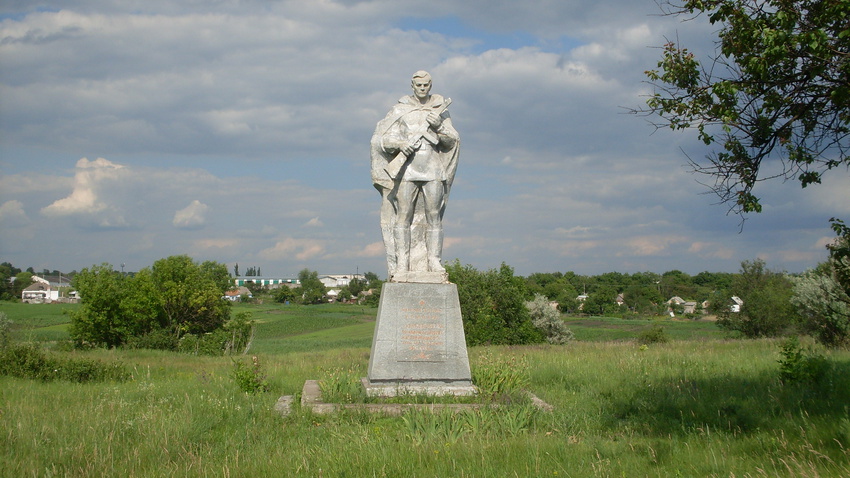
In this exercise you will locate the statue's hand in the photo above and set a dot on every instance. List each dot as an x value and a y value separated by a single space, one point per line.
434 120
409 148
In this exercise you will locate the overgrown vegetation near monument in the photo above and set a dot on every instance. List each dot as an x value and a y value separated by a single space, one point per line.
767 310
176 303
493 306
823 295
691 407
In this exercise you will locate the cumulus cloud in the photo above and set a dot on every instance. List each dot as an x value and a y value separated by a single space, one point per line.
86 200
266 122
289 248
193 216
84 197
314 222
12 213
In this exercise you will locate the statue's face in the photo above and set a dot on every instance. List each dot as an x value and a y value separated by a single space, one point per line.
421 87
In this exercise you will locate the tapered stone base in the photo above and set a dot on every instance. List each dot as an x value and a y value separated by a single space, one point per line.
419 346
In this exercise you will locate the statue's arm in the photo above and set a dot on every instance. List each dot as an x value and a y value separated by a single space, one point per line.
446 132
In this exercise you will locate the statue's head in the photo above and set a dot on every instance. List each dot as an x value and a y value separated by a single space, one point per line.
421 83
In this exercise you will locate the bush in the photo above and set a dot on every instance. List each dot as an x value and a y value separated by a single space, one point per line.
492 304
5 330
341 385
29 361
822 296
158 339
824 307
800 366
500 374
767 310
653 335
235 337
548 321
250 378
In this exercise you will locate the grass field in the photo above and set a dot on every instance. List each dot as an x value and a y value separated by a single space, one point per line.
699 405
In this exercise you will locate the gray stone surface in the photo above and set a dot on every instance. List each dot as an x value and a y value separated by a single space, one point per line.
419 344
284 405
311 398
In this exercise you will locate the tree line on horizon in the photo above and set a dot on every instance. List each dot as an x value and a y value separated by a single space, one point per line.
178 296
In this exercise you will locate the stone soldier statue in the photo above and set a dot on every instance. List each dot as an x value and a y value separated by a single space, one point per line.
414 158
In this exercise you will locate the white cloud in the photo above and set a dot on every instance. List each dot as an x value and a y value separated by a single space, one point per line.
85 198
261 112
12 213
291 248
314 222
192 216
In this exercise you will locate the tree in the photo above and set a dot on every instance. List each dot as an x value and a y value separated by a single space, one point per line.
189 294
22 281
548 321
776 88
284 294
492 305
602 301
767 310
643 299
371 277
99 321
356 286
174 297
311 290
7 271
822 296
236 270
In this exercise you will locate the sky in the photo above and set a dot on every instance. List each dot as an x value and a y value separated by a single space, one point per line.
238 131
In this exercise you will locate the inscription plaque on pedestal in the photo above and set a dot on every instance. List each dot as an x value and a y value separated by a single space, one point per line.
419 345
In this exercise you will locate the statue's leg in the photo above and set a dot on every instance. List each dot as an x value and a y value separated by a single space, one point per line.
388 219
434 192
406 202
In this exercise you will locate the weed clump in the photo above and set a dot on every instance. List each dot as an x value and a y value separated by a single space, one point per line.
799 365
250 378
29 361
341 385
496 375
653 335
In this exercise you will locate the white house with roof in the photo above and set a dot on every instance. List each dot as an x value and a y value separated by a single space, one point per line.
47 289
335 281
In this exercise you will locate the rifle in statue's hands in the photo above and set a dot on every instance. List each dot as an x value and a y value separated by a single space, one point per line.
423 132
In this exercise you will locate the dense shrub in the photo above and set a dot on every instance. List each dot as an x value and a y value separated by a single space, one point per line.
548 321
822 296
157 339
767 310
152 308
5 330
249 378
235 337
799 365
29 361
493 306
653 335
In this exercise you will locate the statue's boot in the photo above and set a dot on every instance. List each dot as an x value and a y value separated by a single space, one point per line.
434 243
402 248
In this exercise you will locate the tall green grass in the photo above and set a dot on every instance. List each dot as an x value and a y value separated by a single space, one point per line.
683 408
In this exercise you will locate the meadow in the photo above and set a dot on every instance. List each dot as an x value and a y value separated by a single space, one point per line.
699 405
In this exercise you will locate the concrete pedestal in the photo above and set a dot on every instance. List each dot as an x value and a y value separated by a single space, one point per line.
419 346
